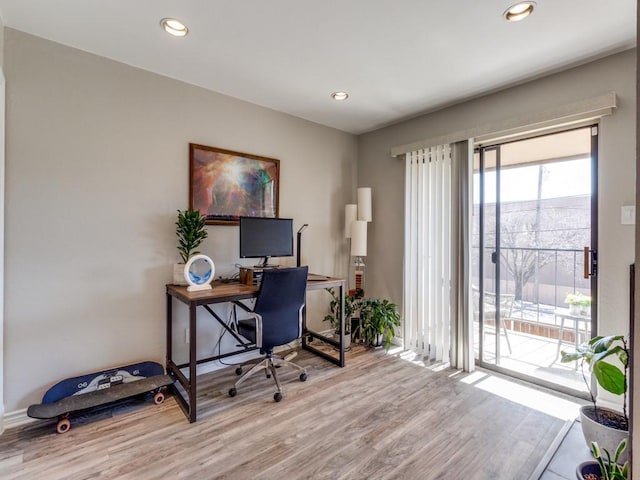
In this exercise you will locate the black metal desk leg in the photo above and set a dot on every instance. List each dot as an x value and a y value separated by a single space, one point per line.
192 363
342 329
169 351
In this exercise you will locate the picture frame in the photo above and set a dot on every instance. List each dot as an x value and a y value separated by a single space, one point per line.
225 185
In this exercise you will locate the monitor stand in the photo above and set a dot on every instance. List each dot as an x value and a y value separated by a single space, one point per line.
265 263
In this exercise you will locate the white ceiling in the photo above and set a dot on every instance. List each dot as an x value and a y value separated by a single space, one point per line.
396 58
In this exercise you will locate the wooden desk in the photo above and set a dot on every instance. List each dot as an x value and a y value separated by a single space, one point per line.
224 293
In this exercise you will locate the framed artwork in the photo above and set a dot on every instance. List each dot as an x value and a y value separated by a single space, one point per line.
225 185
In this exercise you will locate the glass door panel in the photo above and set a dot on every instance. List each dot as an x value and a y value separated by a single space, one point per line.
534 213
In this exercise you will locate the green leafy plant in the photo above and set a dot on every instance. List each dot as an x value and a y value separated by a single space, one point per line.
611 470
609 377
351 305
191 231
378 318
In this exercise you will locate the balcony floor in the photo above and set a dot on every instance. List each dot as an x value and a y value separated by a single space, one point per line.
534 356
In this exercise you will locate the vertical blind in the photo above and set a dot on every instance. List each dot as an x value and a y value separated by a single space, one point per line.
427 261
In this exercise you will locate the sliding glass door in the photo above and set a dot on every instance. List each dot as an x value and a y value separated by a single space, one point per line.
534 248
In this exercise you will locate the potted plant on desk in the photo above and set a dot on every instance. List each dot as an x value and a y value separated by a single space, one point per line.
190 229
604 426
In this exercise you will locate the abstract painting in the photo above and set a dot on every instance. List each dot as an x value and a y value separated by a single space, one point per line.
226 185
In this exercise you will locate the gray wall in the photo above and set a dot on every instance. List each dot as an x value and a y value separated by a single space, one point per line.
376 168
97 165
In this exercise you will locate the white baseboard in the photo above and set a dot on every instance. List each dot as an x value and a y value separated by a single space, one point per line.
236 359
16 419
216 365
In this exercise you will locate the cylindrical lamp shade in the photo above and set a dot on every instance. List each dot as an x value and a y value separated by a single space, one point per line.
350 215
364 204
359 239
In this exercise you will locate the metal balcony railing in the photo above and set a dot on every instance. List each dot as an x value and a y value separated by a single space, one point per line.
540 279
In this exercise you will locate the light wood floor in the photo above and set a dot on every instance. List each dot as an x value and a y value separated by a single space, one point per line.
378 418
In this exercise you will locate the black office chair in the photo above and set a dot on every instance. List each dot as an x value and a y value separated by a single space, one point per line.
276 320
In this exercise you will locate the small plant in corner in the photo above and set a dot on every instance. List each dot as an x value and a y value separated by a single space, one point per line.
190 229
609 469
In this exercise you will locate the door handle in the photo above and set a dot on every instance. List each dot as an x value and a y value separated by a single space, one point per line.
590 262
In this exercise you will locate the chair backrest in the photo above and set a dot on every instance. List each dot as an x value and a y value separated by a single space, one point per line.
280 299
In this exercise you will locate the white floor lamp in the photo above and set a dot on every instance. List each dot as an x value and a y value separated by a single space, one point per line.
356 218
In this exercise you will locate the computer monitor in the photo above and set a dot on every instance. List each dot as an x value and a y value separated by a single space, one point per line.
262 237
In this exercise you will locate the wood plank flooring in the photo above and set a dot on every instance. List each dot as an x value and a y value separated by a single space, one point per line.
379 418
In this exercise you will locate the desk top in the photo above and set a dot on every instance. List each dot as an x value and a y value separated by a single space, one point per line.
228 292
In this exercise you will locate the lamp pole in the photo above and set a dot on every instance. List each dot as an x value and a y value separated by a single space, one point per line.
299 240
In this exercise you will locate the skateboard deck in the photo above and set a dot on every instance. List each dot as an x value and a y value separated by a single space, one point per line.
101 380
75 403
98 389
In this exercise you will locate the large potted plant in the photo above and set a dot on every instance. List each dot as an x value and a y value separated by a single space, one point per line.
378 321
604 468
190 229
602 425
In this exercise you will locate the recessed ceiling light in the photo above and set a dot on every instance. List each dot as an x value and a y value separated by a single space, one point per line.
174 27
519 11
339 96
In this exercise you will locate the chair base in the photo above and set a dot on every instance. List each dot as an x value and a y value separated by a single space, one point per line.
269 364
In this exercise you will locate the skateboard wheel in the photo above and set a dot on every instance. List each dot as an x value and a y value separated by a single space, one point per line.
63 425
233 392
277 396
239 371
303 377
158 398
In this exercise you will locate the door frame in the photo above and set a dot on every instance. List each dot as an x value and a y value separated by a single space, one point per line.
595 130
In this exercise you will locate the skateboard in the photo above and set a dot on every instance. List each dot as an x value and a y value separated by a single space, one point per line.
100 388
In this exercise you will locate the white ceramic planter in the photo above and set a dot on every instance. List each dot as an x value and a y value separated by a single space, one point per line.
178 274
574 309
607 437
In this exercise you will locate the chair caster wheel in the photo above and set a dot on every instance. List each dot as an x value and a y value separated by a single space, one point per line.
303 377
233 392
239 371
277 396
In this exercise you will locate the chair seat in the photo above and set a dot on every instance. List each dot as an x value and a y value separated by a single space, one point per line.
247 328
